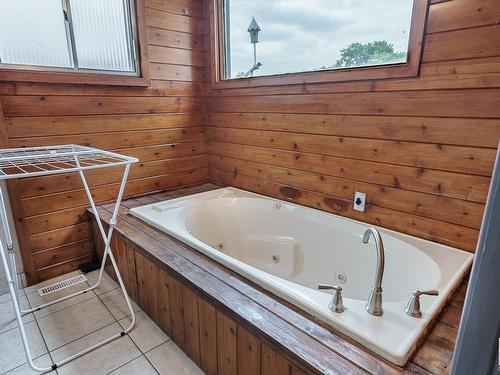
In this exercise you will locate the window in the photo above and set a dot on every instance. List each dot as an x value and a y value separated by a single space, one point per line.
260 38
87 36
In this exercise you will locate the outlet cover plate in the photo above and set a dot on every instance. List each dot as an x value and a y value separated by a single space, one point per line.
359 201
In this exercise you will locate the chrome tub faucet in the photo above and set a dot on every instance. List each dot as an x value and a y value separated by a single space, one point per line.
374 303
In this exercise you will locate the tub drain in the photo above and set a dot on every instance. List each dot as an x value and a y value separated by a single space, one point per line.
276 258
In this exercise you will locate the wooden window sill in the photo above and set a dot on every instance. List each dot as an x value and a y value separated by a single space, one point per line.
54 76
326 76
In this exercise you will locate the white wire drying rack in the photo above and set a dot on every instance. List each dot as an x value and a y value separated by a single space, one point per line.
42 161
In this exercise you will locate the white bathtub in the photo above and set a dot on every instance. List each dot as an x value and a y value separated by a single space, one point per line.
289 249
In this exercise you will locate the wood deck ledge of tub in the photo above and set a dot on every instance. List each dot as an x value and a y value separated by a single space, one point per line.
229 325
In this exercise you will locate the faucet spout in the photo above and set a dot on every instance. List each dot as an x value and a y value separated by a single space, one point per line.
374 303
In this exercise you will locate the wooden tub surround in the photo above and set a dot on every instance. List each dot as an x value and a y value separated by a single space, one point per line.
228 325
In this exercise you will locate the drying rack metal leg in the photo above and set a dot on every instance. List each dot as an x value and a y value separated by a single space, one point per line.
10 270
17 311
107 238
10 245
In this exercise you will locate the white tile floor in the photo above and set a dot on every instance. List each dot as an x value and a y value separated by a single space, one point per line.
69 326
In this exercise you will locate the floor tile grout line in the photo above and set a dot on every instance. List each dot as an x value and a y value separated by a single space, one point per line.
15 318
16 326
44 342
150 350
10 300
128 334
154 347
108 291
24 363
64 308
142 354
81 337
151 363
106 307
131 338
116 287
126 363
157 346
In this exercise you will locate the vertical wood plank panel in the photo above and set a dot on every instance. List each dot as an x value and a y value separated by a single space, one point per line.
297 371
121 260
177 313
97 240
191 324
274 363
140 262
208 337
164 312
152 292
227 342
130 259
109 264
249 353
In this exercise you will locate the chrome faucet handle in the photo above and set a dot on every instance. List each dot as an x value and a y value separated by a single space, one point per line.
413 306
336 304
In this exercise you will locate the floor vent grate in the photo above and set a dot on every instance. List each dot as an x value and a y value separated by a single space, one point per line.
63 284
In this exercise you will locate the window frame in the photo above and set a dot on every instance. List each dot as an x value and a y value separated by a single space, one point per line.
43 74
400 70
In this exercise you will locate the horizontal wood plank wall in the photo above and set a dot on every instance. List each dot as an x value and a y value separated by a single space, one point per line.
212 339
162 125
421 148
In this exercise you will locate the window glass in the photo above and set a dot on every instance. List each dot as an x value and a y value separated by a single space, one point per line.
265 37
101 34
32 32
95 35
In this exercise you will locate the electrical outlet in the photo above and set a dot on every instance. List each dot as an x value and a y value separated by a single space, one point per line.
359 201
